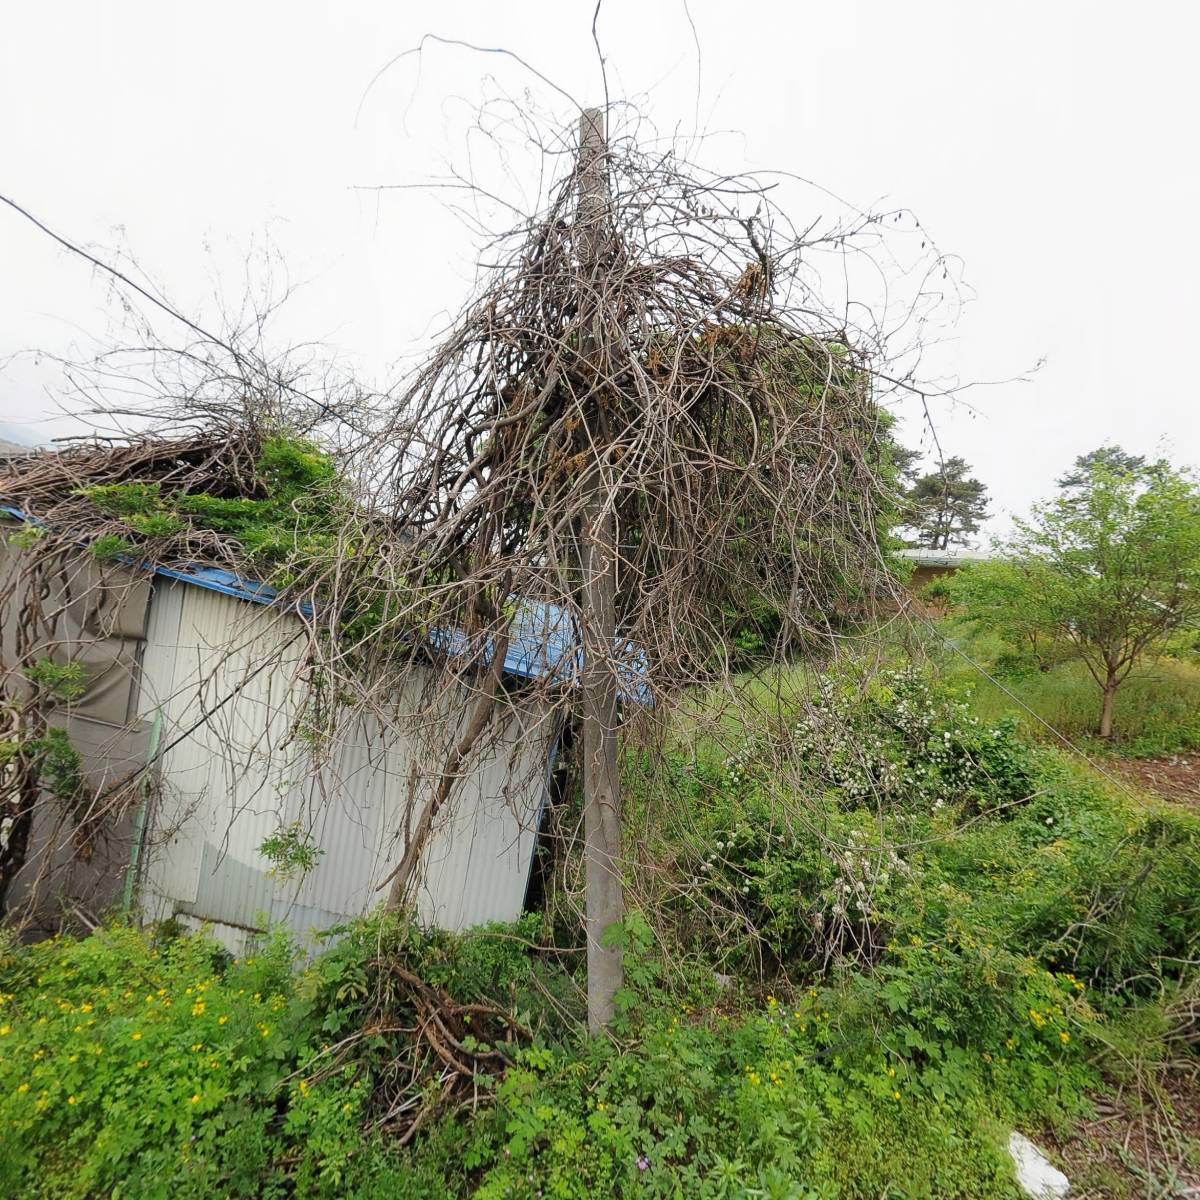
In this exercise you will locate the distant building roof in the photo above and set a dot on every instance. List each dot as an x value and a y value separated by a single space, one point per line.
945 558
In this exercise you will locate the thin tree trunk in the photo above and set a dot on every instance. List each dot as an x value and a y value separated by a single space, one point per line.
604 902
1108 696
601 785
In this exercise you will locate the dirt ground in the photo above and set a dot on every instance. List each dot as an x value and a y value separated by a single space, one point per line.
1136 1147
1174 776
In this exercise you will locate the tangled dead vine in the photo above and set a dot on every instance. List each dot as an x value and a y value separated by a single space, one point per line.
685 378
441 1048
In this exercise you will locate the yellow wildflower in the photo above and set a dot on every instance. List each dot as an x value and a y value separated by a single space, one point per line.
137 1037
1064 1036
23 1087
70 1099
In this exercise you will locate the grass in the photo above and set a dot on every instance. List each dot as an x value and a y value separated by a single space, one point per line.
1157 708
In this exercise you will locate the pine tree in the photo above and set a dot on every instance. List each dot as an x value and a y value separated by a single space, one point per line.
1111 459
946 506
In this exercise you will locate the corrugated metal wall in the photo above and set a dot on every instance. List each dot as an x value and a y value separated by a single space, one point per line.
221 671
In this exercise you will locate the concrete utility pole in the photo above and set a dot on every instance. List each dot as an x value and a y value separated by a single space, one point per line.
601 786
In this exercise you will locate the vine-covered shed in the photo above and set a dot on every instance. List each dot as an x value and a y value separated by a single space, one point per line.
184 740
189 686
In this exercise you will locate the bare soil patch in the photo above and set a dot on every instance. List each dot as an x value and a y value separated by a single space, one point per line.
1173 776
1137 1146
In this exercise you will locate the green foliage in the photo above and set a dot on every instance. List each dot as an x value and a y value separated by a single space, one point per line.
111 547
27 537
293 514
136 1066
1108 574
131 499
295 492
57 764
54 761
1108 458
1157 710
946 506
155 524
1012 930
906 742
64 681
900 745
291 851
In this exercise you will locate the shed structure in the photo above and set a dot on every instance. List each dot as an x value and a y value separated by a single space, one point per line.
218 677
204 683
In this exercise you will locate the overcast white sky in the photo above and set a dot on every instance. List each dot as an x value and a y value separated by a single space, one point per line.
1045 143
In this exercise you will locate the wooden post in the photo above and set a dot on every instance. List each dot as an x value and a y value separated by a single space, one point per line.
604 902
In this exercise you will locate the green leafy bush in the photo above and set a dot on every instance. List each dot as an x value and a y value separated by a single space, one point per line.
902 741
914 970
63 681
136 1066
867 764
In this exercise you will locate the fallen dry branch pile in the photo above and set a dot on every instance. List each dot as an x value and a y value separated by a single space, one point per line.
58 489
433 1051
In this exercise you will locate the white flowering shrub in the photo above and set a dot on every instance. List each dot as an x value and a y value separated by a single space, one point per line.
788 846
900 741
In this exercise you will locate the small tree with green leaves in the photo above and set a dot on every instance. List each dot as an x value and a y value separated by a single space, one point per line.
1109 573
946 506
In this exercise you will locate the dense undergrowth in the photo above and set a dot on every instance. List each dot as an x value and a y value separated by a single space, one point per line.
866 944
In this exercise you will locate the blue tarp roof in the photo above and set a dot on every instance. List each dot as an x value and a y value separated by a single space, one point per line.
542 641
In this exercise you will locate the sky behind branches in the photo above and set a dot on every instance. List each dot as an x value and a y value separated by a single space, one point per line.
1045 144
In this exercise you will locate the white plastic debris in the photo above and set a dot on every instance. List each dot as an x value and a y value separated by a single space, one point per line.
1036 1174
